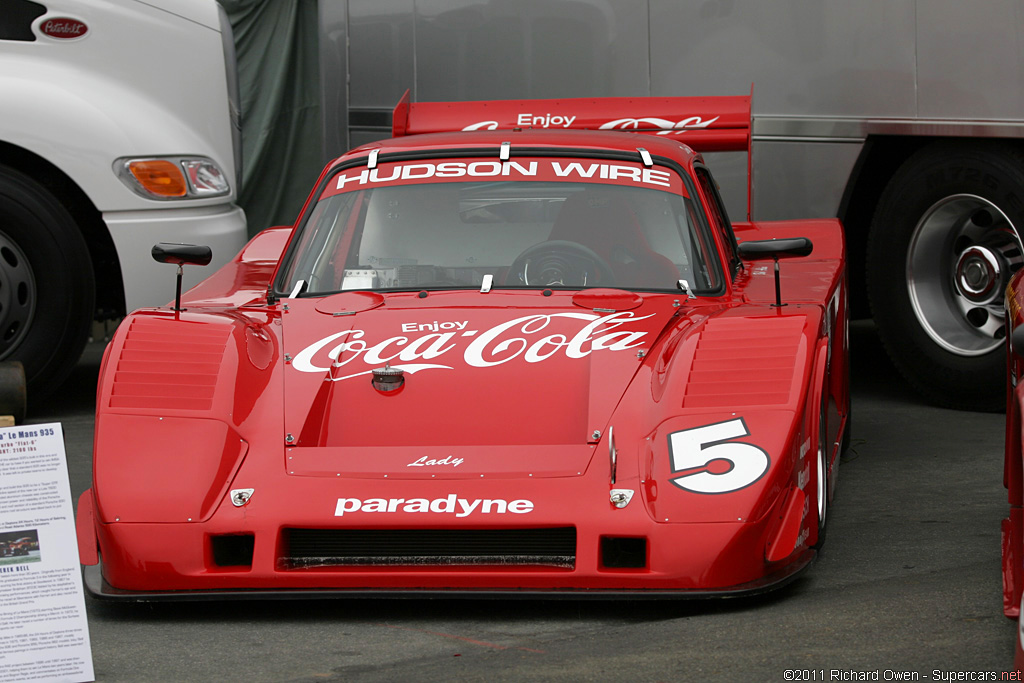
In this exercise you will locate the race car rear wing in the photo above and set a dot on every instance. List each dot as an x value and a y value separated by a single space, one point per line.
706 124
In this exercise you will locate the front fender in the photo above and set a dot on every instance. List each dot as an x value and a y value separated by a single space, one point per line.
82 128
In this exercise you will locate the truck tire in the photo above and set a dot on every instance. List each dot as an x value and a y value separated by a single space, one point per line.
47 287
942 245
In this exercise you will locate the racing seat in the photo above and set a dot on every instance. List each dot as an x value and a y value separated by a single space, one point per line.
605 222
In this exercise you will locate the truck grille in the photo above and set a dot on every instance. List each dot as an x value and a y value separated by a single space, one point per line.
427 548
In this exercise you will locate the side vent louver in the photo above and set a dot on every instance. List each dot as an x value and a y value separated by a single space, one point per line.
168 365
744 362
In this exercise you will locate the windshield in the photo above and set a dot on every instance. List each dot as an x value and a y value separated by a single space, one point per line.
508 233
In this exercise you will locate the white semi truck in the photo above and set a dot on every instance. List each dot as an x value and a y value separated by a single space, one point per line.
119 128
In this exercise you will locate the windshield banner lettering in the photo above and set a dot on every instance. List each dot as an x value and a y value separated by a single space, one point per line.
566 170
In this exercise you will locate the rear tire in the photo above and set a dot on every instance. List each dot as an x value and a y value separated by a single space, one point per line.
942 245
47 288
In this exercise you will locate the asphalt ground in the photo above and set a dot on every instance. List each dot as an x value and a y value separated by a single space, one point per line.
908 587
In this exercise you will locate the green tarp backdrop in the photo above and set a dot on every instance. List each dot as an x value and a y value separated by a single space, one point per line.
278 73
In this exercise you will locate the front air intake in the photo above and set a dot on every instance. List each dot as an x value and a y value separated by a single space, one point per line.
428 548
232 550
622 552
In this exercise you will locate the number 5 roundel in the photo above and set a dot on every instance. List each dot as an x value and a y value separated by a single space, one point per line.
705 459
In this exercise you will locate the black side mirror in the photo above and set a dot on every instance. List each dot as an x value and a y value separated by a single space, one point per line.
776 249
1017 340
789 247
179 255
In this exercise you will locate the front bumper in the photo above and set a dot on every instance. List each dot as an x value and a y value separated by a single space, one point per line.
178 561
100 589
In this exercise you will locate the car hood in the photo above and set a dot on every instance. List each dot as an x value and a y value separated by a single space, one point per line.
508 383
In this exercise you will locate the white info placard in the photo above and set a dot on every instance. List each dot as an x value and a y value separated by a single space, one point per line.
44 631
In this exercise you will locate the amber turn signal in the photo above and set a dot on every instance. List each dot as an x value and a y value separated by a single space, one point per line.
173 177
159 177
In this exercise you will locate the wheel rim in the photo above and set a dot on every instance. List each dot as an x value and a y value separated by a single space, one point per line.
17 296
961 256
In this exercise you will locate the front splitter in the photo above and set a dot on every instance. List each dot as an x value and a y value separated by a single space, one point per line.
100 589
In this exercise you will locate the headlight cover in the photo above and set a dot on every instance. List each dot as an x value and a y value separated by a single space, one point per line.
169 178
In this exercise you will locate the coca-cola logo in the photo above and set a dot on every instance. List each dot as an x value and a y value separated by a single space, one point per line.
64 28
666 126
529 339
482 125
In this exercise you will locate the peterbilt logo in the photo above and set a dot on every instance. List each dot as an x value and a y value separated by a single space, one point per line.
63 28
528 338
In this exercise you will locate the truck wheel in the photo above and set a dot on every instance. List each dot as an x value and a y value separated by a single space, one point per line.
46 284
943 243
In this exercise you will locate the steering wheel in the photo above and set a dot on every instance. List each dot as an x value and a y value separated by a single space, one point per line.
560 262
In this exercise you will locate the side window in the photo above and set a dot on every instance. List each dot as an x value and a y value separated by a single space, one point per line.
719 218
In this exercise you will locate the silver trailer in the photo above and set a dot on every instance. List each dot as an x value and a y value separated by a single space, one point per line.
905 118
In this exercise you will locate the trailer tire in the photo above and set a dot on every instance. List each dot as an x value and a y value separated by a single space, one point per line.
942 245
47 288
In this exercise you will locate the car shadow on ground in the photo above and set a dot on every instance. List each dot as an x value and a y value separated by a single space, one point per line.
872 374
503 608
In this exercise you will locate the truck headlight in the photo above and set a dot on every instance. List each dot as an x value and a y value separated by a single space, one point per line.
172 177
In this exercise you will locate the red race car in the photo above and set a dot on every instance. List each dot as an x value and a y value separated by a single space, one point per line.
518 348
1013 467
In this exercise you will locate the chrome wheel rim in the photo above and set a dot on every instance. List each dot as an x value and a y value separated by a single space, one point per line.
18 295
961 256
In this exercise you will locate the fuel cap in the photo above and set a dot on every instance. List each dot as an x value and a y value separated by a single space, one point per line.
387 378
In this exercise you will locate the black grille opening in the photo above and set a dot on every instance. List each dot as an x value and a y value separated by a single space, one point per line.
16 19
233 551
621 552
306 548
